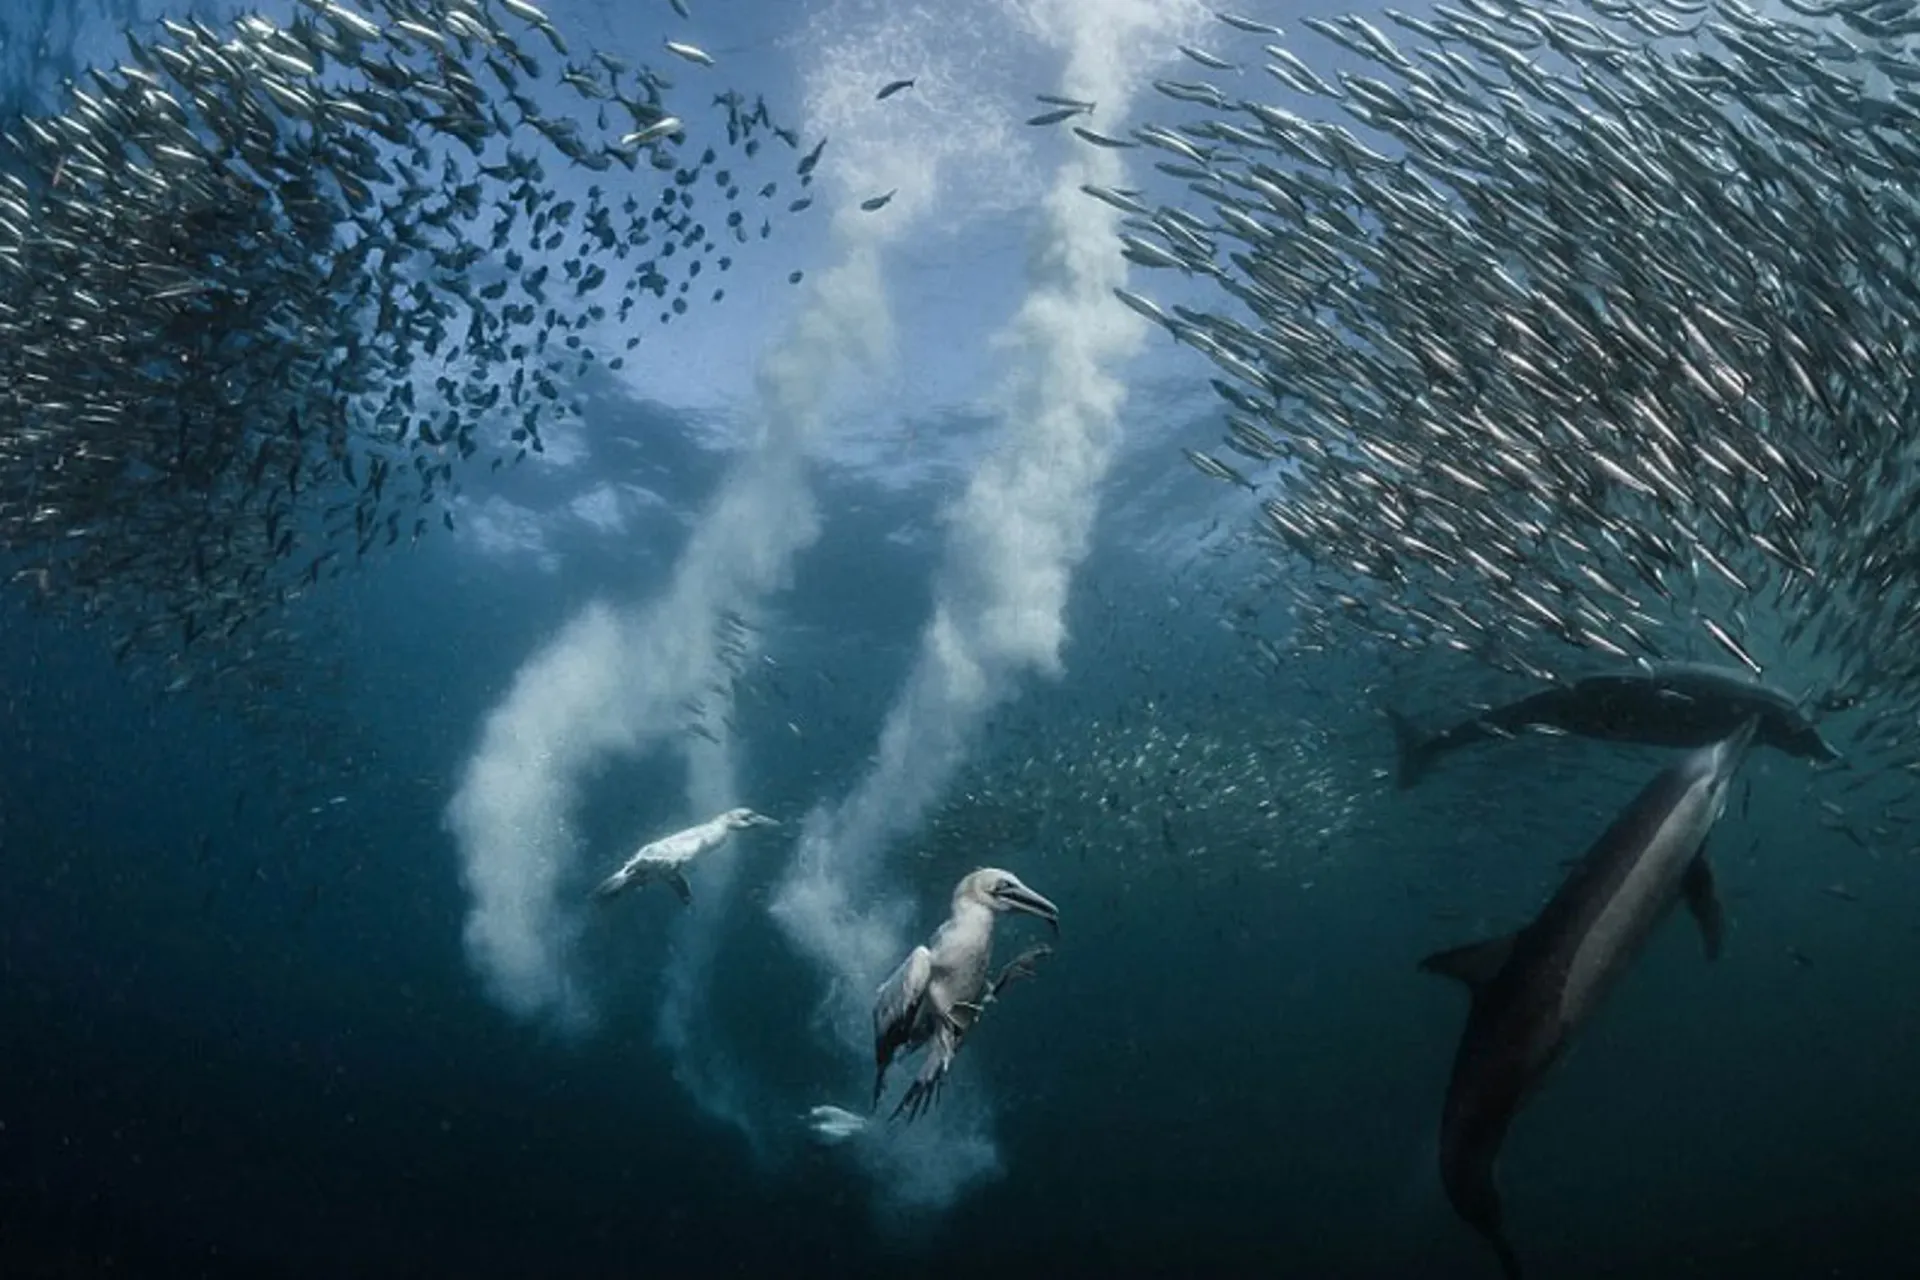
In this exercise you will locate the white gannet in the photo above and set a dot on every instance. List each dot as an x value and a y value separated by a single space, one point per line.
666 858
940 989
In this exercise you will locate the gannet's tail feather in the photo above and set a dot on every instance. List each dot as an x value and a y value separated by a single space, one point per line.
925 1089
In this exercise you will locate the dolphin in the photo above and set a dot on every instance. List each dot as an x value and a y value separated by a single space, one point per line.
941 988
1533 990
666 858
1676 704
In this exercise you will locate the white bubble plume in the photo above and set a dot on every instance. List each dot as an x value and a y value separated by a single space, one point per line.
612 681
1015 539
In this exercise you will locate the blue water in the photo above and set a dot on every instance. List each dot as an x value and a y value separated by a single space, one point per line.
242 1038
241 1033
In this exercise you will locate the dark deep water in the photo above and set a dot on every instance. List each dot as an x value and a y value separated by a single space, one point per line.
241 1037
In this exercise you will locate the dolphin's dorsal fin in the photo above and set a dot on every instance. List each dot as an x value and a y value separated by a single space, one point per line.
1704 903
1474 964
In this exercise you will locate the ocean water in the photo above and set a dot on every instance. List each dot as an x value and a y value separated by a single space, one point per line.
257 1018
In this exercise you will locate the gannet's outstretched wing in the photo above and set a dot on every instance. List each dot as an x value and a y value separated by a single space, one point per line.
896 1007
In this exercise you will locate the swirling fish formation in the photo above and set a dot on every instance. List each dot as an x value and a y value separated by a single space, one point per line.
1568 333
1571 333
263 293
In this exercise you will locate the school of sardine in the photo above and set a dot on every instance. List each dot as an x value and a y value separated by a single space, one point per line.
1564 334
1564 337
264 291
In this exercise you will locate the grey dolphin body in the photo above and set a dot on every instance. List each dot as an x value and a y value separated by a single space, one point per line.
1679 704
1533 990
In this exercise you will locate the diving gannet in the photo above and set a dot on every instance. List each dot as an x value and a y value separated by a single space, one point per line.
1534 990
940 989
1675 704
666 858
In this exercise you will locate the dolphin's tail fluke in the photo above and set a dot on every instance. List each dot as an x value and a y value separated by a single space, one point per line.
1469 1185
1509 1260
1414 750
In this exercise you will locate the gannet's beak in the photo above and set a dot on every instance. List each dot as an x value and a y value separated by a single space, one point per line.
1018 897
762 820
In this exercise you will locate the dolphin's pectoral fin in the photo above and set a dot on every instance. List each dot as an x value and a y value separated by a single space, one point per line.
1704 903
678 883
1474 964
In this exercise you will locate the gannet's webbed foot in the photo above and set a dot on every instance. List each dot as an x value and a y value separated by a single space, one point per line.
920 1097
1021 966
925 1089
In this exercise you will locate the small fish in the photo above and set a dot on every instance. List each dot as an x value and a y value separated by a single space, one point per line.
830 1126
1216 469
1125 201
876 203
692 53
1146 308
1728 643
524 11
1056 115
1207 60
1053 101
654 132
1248 25
1102 140
890 88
